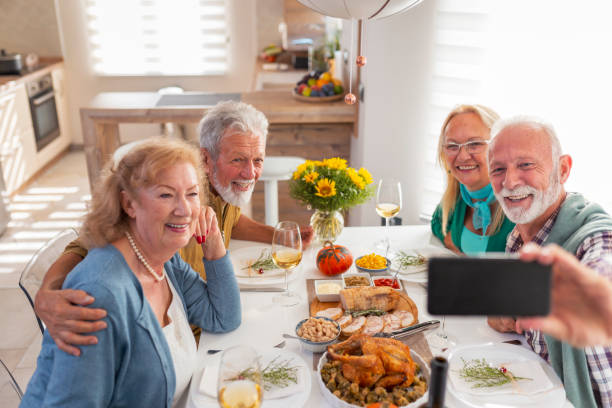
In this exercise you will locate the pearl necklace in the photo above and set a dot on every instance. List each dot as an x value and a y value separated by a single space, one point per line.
142 259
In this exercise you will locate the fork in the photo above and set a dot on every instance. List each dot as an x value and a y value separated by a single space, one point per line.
279 345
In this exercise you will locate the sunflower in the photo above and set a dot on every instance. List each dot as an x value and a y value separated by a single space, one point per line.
367 177
326 188
356 178
335 163
311 177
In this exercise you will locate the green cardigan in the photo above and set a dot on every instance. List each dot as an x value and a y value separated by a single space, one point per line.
577 220
497 242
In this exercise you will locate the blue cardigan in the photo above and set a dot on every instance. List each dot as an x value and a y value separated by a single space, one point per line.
131 366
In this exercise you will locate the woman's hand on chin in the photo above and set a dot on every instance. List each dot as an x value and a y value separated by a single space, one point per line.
208 235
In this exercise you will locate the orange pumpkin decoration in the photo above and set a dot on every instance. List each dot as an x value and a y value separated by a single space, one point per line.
334 259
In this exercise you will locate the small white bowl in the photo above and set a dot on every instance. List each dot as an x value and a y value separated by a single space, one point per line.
317 347
348 275
328 297
375 278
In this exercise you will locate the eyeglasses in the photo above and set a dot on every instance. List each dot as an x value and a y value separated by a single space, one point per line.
472 147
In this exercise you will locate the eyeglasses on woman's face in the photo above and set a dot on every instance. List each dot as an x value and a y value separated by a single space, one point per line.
472 147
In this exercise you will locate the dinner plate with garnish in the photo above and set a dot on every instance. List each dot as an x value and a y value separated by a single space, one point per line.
286 379
411 264
502 375
254 266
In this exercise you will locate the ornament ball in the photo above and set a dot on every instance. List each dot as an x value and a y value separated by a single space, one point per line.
361 60
350 99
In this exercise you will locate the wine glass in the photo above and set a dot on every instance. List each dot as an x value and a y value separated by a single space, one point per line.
388 204
240 381
440 340
287 254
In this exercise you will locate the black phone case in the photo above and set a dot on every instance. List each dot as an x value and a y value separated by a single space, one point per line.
488 286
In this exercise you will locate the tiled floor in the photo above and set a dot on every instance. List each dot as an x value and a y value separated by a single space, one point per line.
53 202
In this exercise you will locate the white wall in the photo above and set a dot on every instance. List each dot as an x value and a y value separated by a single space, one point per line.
82 85
29 26
392 119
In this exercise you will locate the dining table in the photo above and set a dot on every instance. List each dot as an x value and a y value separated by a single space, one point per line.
264 322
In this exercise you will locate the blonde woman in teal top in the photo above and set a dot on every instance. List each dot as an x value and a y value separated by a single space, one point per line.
468 219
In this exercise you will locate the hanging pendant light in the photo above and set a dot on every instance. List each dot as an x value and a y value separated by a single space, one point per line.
360 9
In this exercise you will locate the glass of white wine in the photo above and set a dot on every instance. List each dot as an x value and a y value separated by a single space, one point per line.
287 254
240 381
388 204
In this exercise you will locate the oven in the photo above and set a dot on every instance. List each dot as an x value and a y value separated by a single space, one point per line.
44 110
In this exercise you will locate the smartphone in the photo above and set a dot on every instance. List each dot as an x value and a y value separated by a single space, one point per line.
492 285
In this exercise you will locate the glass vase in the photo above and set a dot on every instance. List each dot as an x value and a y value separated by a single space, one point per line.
326 225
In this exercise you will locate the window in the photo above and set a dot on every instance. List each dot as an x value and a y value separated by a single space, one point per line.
157 37
544 58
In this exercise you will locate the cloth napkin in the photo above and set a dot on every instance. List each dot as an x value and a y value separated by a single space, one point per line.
529 369
208 385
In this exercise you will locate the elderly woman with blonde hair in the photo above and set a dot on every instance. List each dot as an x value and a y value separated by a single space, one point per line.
468 219
147 205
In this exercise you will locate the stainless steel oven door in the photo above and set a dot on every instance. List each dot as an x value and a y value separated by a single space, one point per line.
44 118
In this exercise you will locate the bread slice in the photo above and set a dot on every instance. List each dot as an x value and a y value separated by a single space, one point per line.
356 326
345 320
373 325
333 313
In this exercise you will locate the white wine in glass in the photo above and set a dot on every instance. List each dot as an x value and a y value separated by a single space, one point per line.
240 381
388 204
287 254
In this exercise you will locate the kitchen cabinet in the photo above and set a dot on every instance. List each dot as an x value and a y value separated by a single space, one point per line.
20 159
17 143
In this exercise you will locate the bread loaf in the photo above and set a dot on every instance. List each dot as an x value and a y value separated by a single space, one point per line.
371 297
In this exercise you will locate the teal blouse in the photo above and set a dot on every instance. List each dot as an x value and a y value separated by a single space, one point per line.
497 242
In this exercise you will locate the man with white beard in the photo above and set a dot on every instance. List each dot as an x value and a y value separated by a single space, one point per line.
527 172
232 145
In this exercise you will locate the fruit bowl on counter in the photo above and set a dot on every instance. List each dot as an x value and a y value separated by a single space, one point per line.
318 87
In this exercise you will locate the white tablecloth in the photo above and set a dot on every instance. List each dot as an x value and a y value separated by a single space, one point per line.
263 322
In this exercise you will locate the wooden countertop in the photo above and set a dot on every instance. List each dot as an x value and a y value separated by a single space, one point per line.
278 106
47 64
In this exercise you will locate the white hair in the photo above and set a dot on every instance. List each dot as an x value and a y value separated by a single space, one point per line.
227 115
532 121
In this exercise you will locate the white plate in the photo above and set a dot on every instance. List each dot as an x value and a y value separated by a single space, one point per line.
497 353
243 256
418 273
205 400
338 403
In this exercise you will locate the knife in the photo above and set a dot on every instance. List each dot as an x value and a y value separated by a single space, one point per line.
262 289
410 330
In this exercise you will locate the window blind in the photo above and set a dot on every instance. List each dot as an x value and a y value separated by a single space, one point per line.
459 57
158 37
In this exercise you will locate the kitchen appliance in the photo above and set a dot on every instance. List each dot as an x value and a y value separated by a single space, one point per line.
10 63
44 110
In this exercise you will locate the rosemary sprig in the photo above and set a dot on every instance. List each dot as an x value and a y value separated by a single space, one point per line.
264 262
404 260
374 312
482 374
276 373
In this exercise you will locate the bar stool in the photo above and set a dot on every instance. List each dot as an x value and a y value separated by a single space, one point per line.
276 169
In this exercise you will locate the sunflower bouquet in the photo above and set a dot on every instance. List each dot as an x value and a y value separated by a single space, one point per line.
330 185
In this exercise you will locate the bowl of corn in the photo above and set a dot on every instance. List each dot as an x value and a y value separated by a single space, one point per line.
372 263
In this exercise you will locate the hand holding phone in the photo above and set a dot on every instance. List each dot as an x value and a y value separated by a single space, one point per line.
496 285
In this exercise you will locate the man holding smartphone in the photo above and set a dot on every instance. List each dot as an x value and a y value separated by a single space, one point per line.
527 172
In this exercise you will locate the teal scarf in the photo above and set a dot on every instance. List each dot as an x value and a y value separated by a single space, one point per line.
482 212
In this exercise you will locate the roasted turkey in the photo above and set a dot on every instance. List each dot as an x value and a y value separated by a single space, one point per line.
373 361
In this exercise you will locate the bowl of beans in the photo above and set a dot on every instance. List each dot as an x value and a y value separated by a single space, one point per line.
372 263
316 333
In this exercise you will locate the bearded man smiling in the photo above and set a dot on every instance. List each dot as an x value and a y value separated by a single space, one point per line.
527 171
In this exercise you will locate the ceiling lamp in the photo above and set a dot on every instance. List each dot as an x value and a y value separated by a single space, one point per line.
360 9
